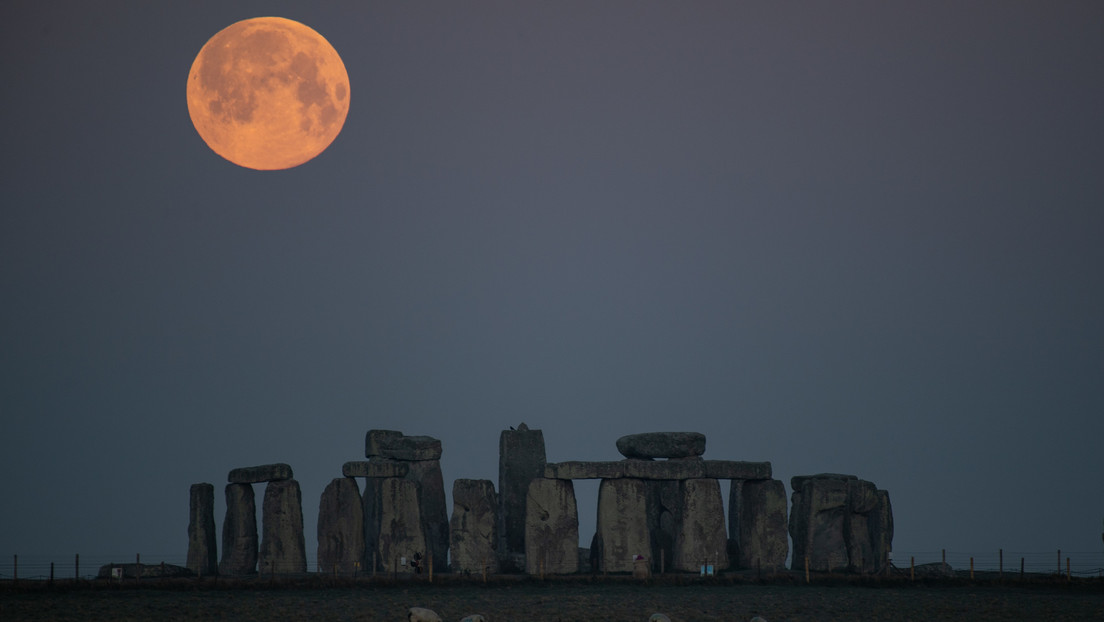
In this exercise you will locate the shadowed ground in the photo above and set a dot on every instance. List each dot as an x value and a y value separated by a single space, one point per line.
575 599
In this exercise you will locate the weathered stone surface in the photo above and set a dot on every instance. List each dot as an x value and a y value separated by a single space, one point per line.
375 468
392 524
841 523
341 527
282 547
202 556
473 529
421 614
623 530
663 521
701 535
666 469
433 510
551 528
239 532
521 459
662 445
757 523
394 445
259 474
817 520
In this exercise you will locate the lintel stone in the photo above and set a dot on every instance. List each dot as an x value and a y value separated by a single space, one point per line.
375 468
662 470
263 473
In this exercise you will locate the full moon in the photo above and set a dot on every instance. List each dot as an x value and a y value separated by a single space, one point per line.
268 93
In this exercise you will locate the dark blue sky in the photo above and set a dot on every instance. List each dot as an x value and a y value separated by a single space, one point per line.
859 237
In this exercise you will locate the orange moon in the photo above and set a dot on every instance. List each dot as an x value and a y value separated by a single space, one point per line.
268 93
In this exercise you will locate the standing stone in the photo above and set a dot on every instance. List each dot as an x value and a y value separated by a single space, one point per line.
202 558
239 532
551 528
392 524
341 527
757 522
818 517
881 532
433 509
622 524
521 459
474 526
663 520
701 535
282 547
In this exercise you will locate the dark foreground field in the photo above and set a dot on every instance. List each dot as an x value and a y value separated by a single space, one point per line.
682 600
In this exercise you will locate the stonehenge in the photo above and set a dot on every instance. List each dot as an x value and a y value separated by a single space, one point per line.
660 509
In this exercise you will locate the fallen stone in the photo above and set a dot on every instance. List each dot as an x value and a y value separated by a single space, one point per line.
259 474
662 445
521 459
420 614
392 524
375 468
667 469
341 527
623 524
473 529
551 528
395 445
283 549
475 617
202 556
701 537
143 571
239 532
659 617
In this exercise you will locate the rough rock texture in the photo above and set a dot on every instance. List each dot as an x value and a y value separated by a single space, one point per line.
433 510
282 547
663 520
666 469
701 537
393 445
202 556
662 445
841 523
341 527
421 614
473 530
521 459
392 524
258 474
757 524
375 468
551 528
623 531
239 532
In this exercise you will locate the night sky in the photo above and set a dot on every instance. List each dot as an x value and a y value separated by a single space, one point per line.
856 237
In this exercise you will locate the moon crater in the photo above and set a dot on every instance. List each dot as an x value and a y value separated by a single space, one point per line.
268 93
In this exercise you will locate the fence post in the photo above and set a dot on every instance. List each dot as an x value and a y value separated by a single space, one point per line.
1068 574
912 568
944 557
137 566
971 568
806 569
15 569
1001 574
1021 569
430 568
76 564
51 573
1059 562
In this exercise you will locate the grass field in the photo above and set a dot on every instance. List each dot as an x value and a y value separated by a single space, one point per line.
562 599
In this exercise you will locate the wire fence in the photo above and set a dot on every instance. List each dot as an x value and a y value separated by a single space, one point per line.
984 564
1008 562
